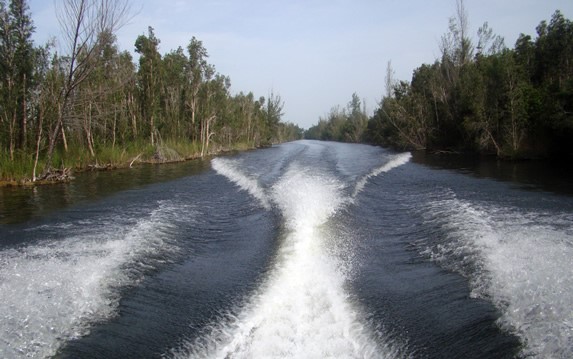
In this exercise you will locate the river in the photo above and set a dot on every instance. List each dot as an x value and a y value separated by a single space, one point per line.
303 250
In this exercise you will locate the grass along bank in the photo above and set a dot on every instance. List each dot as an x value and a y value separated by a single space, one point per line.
20 169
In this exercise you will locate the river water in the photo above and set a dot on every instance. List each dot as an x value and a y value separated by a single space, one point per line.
303 250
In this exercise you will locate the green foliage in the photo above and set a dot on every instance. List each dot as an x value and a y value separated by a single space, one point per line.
16 74
15 167
346 125
95 107
512 103
401 119
184 149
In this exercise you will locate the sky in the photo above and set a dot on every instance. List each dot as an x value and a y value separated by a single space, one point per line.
316 53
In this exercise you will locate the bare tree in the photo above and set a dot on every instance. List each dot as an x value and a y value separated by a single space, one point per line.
82 21
488 42
389 80
456 45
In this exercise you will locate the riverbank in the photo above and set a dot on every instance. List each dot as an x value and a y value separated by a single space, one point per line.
20 170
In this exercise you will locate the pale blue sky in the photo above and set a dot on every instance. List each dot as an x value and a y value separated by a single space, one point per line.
315 53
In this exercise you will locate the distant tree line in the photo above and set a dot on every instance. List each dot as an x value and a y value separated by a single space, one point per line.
93 99
345 125
514 103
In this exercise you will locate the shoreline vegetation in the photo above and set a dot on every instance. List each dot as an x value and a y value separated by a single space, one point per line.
95 107
111 159
479 98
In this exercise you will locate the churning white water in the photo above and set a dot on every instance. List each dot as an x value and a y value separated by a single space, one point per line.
302 309
229 169
396 161
51 292
323 261
523 262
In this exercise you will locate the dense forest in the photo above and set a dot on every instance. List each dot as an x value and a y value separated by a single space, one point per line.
93 106
484 98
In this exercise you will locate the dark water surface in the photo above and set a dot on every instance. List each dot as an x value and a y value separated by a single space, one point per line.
303 250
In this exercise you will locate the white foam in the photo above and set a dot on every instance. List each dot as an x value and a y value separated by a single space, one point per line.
303 309
228 168
53 291
522 262
396 161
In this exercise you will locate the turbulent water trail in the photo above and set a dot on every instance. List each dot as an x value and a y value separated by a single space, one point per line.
229 169
396 161
307 249
521 262
302 309
53 291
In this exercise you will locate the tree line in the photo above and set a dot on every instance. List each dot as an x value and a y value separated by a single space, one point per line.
348 124
93 104
481 98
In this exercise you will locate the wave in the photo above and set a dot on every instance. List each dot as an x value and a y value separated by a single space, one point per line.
228 169
302 309
396 161
521 262
54 291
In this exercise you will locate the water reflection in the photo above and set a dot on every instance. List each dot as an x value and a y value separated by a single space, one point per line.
547 175
19 204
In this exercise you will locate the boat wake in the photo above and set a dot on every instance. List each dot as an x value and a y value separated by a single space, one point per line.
302 309
521 262
229 169
395 161
54 291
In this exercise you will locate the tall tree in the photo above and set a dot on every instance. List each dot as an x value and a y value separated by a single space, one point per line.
213 98
357 120
23 29
456 45
149 78
273 113
99 99
175 86
16 65
52 74
198 71
82 22
7 83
